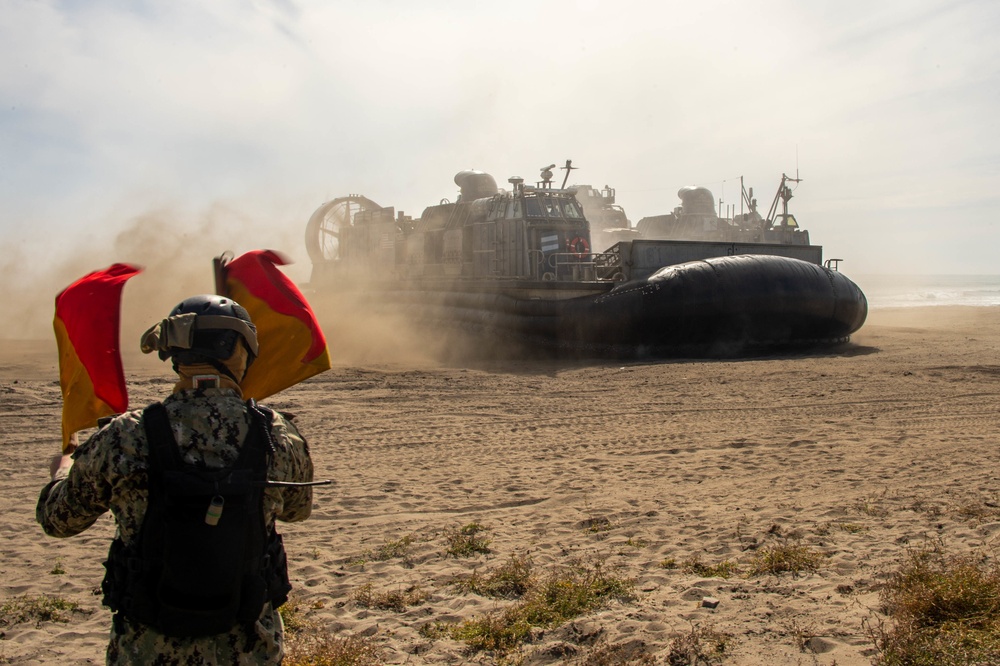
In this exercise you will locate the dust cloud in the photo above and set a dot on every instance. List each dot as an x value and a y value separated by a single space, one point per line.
360 332
367 324
174 248
175 251
950 317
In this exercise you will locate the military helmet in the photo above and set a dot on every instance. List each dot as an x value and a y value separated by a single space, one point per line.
200 328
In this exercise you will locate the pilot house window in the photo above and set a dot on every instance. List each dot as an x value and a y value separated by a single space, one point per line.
532 207
514 210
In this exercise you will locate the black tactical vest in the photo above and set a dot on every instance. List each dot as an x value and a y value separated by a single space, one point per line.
203 560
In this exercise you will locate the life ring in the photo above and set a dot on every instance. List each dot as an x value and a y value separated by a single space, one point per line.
579 247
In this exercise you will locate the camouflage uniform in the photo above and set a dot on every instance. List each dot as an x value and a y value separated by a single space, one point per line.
109 472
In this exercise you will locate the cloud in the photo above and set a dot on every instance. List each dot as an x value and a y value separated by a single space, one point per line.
265 109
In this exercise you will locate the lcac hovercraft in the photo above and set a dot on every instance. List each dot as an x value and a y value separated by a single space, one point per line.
518 264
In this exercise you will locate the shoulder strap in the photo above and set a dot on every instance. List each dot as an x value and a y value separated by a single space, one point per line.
258 447
263 418
162 445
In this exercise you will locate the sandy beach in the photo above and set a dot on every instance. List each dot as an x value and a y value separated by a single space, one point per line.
861 453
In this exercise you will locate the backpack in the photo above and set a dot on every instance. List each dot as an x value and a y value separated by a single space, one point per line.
203 560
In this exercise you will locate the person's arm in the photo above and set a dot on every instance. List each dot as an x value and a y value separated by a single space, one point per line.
61 462
291 463
77 495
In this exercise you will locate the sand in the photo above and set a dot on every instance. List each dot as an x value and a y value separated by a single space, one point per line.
861 453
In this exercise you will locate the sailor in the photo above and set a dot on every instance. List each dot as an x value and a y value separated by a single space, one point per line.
170 603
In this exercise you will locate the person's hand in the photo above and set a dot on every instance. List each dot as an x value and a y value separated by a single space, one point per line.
59 462
63 461
74 442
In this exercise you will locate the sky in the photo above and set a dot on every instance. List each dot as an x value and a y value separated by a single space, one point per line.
171 131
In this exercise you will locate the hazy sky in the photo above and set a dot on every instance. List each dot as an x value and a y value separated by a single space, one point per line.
203 126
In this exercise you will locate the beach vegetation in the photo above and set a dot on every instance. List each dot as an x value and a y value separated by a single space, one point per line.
549 602
944 610
616 654
499 631
851 528
802 633
324 649
36 609
978 511
785 557
393 600
668 563
724 569
595 524
704 646
435 630
58 569
292 615
872 506
921 505
468 540
392 549
511 580
308 644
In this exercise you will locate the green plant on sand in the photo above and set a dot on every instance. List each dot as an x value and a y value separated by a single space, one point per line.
547 603
945 611
35 608
508 581
468 541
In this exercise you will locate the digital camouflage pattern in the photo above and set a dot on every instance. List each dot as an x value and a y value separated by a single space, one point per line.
109 473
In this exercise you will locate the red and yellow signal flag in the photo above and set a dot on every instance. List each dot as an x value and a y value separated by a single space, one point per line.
292 344
87 323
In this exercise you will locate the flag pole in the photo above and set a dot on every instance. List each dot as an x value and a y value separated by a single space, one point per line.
219 266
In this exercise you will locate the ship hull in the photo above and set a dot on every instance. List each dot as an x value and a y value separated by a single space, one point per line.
718 304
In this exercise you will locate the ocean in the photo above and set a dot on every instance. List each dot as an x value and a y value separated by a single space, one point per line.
905 291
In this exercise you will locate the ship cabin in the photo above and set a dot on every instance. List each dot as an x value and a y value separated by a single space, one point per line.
530 233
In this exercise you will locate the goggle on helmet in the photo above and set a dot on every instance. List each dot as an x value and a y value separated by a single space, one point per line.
202 328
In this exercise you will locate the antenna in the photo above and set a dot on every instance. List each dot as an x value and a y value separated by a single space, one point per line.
569 167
